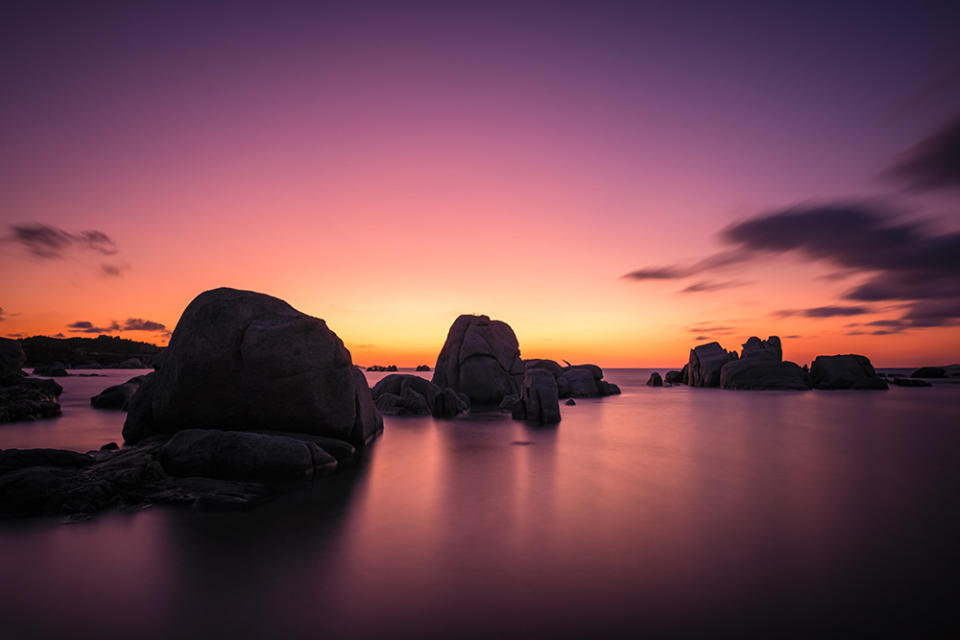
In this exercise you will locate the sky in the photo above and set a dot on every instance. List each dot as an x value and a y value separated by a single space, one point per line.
617 181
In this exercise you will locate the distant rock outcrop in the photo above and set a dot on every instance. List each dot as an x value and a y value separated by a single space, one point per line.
850 371
53 370
23 398
706 361
404 394
910 382
377 367
132 363
654 380
673 377
481 359
930 372
538 401
761 367
423 367
118 396
576 380
246 361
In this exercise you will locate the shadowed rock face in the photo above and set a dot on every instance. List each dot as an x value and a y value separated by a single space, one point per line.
930 372
705 364
246 361
402 394
538 401
118 396
12 359
761 367
575 380
654 380
23 398
481 359
674 377
850 371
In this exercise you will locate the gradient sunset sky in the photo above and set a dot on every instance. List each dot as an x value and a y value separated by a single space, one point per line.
617 181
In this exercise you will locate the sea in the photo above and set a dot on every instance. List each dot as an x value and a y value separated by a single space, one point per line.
666 512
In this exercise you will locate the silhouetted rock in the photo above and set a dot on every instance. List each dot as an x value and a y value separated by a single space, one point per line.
131 363
570 402
54 370
550 365
246 361
509 402
28 399
685 374
760 367
539 401
110 446
584 381
87 353
12 359
654 380
480 358
673 377
910 382
239 454
118 396
404 394
423 367
849 371
930 372
377 367
706 361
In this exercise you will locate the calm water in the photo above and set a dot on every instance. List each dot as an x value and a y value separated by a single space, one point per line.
676 510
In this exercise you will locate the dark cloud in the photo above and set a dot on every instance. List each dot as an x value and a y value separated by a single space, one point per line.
702 338
2 316
823 312
131 324
673 272
49 242
934 163
710 329
713 285
113 270
85 326
139 324
16 335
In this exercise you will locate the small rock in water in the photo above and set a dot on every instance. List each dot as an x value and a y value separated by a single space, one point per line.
570 402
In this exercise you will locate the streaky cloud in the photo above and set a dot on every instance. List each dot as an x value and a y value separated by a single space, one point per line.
823 312
934 162
49 242
713 285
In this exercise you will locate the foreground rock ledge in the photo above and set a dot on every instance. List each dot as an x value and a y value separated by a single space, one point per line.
196 467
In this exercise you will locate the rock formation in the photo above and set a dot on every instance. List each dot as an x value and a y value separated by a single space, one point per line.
910 382
377 367
53 370
930 372
706 361
481 359
654 380
576 380
674 377
403 394
246 361
23 398
849 371
761 366
539 401
118 396
423 367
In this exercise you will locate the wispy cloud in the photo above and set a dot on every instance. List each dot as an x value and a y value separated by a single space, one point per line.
713 285
49 242
822 312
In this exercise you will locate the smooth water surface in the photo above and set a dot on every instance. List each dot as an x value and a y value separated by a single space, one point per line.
673 510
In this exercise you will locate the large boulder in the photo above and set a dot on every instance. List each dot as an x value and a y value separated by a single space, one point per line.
706 361
761 367
654 380
674 377
24 399
245 361
403 394
480 358
12 359
850 371
118 396
539 401
131 363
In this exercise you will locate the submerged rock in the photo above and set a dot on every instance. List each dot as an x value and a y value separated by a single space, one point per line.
481 359
118 396
910 382
654 380
761 368
850 371
538 401
706 361
246 361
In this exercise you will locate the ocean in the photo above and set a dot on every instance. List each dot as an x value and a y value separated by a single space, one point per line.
669 511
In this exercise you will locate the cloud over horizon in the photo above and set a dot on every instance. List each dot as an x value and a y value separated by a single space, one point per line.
934 162
49 242
131 324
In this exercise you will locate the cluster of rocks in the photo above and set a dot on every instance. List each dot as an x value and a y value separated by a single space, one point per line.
377 367
949 371
118 396
21 397
401 394
423 367
760 365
